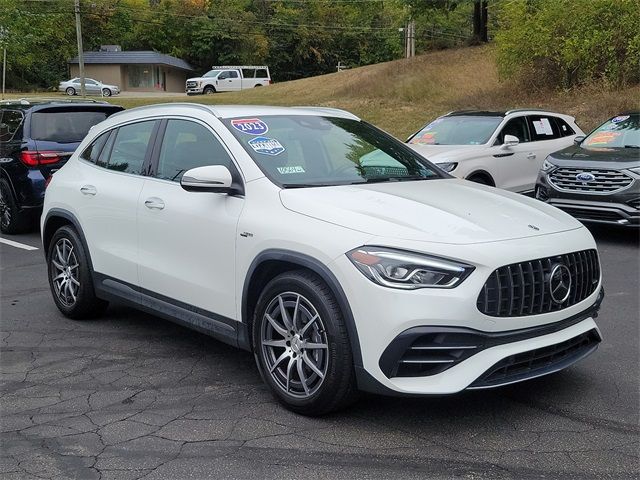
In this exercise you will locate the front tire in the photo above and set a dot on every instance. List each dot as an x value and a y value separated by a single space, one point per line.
70 91
70 277
301 345
106 92
209 90
13 220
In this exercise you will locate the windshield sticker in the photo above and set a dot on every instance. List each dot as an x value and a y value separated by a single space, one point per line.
266 146
620 118
289 170
603 138
252 126
427 138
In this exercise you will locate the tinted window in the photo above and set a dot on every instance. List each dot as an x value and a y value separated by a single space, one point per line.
516 127
564 128
543 128
103 158
64 126
10 121
262 73
130 147
457 130
303 150
248 72
188 145
92 152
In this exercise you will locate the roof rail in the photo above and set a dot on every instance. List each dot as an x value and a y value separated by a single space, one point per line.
32 100
165 105
215 67
516 110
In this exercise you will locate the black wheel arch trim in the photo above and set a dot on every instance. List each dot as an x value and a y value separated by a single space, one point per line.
319 268
483 173
61 213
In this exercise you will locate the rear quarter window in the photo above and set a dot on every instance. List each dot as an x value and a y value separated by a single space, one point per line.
10 122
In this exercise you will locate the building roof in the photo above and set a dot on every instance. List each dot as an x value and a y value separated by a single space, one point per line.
133 57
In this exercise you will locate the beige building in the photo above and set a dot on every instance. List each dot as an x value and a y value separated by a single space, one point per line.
135 71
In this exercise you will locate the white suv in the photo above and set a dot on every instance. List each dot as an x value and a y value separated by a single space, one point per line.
341 258
501 149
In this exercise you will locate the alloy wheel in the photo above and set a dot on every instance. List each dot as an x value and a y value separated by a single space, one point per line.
65 272
294 345
5 210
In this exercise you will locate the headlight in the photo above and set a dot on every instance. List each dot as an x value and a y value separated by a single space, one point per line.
407 270
448 166
547 165
635 170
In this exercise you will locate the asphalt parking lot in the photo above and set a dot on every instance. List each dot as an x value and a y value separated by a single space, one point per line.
132 396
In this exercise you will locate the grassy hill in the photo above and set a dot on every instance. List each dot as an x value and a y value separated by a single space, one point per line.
402 95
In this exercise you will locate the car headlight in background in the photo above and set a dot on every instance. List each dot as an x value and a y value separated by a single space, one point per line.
448 166
547 165
407 270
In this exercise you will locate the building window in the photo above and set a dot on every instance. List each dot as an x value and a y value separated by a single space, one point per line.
140 76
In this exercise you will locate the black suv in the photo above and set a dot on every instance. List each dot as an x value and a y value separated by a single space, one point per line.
36 138
598 178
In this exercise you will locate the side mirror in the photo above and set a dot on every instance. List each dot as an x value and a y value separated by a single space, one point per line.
211 178
510 141
577 140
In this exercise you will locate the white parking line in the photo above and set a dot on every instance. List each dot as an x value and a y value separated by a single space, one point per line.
17 244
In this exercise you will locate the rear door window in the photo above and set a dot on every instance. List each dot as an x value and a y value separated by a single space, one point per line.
130 147
64 126
543 127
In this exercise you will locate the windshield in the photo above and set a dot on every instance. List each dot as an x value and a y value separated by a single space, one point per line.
457 130
64 126
619 132
211 73
302 150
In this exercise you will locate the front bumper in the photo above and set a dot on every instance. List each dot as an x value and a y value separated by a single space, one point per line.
384 315
619 208
194 90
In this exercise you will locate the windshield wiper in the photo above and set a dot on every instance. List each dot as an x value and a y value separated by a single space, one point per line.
307 185
632 146
393 179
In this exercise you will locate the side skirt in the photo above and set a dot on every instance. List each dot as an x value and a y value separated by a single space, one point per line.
217 326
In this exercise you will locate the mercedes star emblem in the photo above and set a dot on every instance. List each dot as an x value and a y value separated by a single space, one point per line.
560 283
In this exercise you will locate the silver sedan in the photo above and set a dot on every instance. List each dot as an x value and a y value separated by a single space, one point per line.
92 87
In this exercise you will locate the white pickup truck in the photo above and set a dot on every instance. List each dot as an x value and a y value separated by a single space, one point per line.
229 79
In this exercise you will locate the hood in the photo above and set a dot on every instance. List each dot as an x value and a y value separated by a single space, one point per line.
600 157
444 153
444 211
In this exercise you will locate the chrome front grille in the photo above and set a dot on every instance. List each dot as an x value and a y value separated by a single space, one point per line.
602 181
524 288
192 84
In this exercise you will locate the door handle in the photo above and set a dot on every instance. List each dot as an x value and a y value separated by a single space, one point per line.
88 190
154 203
531 156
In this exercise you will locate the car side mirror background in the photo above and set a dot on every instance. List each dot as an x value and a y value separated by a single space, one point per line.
577 140
210 178
510 141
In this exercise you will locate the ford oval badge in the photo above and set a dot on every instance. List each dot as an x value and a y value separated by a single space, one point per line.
585 177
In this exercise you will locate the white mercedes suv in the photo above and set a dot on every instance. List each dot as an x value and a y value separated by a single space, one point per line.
501 149
337 255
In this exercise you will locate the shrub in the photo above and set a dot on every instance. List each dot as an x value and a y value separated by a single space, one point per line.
564 43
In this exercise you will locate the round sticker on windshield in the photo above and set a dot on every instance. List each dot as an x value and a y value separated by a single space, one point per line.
266 146
251 126
620 118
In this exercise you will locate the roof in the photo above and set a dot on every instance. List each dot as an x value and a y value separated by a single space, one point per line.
502 113
133 57
40 103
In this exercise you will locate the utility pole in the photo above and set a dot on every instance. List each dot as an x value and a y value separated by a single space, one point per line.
80 53
410 39
4 70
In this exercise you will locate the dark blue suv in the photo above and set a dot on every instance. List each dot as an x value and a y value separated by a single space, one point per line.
36 138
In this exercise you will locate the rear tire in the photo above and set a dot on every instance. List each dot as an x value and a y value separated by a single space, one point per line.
70 91
70 277
13 220
303 355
